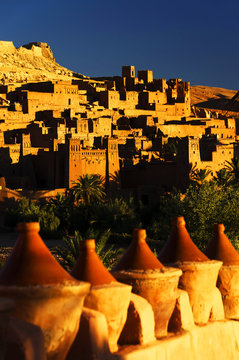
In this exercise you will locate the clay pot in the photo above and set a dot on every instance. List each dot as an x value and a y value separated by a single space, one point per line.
106 295
199 273
199 280
179 246
228 284
89 267
44 293
113 301
220 248
140 268
138 256
159 288
6 307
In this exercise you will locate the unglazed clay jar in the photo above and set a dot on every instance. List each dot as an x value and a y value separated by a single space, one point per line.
140 268
44 293
113 301
138 256
199 280
159 288
199 273
6 307
179 246
220 248
106 295
89 267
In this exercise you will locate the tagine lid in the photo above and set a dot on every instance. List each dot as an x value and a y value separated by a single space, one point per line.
180 246
220 247
139 255
30 262
89 267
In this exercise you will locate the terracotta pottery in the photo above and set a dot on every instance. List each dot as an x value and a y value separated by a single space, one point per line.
106 295
199 280
140 268
6 307
89 267
159 288
44 293
199 273
138 256
113 301
220 248
179 246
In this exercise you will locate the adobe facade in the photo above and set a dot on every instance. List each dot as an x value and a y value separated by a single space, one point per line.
53 132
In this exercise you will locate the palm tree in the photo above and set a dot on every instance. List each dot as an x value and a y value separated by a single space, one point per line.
88 189
115 181
198 177
233 168
222 177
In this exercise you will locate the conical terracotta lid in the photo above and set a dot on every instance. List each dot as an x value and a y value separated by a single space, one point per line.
138 256
179 246
89 266
220 247
31 262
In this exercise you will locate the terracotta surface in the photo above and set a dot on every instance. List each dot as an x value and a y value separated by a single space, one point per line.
215 341
6 307
89 266
199 280
182 317
220 247
25 341
56 309
217 310
179 246
139 326
91 342
228 284
138 256
44 293
159 288
112 300
30 262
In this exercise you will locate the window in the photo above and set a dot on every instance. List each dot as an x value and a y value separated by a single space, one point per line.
69 101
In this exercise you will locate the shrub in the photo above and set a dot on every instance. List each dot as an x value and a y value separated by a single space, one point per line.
69 251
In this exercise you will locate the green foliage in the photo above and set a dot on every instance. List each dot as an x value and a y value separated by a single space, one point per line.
203 204
25 210
233 169
222 177
88 189
198 177
117 214
157 218
62 206
201 207
69 251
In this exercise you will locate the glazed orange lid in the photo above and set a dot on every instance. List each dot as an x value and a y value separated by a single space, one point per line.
179 246
89 267
31 262
138 256
220 247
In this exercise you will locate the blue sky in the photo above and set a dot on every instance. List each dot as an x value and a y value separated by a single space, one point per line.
194 40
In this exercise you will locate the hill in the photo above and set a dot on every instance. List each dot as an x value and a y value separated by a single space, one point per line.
213 97
30 62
